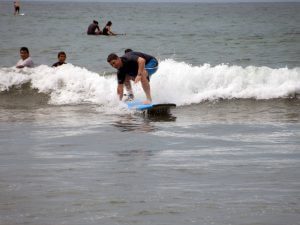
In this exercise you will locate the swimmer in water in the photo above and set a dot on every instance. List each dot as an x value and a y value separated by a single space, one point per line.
61 59
94 29
25 60
107 29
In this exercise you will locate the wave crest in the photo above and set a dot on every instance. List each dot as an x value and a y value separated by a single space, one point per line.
176 82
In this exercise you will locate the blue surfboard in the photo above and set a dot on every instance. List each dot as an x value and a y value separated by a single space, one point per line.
150 108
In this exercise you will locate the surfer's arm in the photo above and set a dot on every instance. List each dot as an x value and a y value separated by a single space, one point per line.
120 91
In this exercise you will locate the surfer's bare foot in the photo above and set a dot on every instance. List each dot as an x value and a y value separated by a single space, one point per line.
147 102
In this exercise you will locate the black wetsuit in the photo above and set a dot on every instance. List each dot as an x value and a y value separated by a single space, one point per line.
130 65
92 29
58 64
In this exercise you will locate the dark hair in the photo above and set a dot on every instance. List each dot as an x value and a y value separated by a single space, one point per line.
95 21
61 53
128 50
25 49
111 57
109 23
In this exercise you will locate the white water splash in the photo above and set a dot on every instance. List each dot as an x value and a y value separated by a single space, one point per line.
175 82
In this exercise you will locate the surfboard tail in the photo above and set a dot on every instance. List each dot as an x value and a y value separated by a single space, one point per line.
151 108
161 109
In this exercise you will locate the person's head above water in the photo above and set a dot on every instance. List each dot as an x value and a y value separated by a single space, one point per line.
61 57
24 53
109 23
95 22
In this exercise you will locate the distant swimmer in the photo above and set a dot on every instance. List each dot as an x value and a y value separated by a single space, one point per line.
17 7
94 29
25 60
134 66
61 59
107 29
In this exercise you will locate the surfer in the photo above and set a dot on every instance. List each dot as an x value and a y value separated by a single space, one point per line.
94 29
61 59
107 29
17 7
25 60
134 66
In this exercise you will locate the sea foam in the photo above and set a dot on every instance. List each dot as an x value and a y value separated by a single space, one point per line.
175 82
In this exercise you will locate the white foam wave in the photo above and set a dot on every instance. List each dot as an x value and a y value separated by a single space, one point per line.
175 82
186 84
66 84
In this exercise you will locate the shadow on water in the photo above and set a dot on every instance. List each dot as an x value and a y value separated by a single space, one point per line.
128 123
142 122
134 155
160 117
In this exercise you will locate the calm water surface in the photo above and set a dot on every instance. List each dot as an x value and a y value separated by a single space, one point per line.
233 162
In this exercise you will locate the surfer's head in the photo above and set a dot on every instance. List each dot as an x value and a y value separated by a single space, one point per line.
114 60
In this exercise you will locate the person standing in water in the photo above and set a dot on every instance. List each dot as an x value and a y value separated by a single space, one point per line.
17 7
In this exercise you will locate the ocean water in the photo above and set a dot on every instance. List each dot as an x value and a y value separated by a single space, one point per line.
229 153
